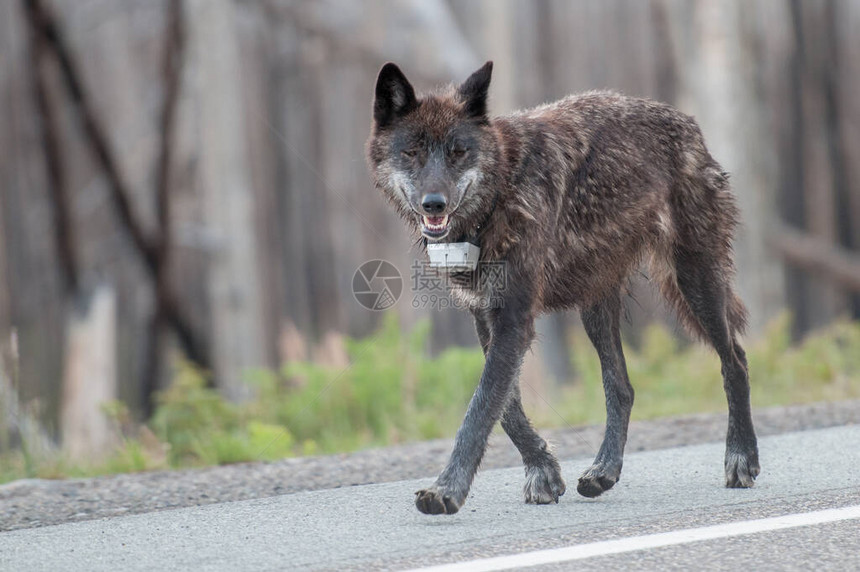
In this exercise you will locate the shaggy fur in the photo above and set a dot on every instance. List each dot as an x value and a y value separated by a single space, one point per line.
571 196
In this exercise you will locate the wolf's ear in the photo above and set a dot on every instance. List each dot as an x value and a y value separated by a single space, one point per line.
474 90
394 95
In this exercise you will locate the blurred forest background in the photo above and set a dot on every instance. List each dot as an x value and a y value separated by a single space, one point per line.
185 178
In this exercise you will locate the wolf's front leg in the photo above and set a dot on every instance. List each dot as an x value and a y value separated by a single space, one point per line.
543 473
512 332
601 323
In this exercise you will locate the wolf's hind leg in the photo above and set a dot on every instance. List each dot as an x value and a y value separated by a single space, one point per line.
710 300
601 323
543 474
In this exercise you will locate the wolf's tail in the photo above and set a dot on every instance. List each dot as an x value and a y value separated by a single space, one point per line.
704 217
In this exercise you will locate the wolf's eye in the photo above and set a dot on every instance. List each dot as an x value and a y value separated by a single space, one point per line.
457 152
408 153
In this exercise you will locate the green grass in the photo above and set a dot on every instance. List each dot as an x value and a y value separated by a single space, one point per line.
671 380
392 392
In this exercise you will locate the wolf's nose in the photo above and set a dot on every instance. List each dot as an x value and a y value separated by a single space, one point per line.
434 203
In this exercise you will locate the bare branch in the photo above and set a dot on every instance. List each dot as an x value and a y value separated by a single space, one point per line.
174 47
43 22
49 131
816 255
167 306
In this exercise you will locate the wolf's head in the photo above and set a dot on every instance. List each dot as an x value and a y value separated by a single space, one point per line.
429 155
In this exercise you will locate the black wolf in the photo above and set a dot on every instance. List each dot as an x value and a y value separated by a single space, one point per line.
570 196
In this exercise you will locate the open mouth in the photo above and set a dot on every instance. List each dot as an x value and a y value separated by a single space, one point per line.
435 226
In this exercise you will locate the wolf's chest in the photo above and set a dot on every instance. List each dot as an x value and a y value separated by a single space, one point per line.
484 287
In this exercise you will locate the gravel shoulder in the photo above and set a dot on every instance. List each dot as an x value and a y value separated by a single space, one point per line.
33 503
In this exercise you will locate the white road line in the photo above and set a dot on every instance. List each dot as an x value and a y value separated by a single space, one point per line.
581 551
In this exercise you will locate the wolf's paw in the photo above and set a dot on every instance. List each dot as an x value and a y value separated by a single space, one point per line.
543 484
436 501
741 469
598 479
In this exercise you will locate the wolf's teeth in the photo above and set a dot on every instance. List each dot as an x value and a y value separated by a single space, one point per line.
440 226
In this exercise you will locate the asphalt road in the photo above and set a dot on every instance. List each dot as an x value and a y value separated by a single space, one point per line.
376 526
